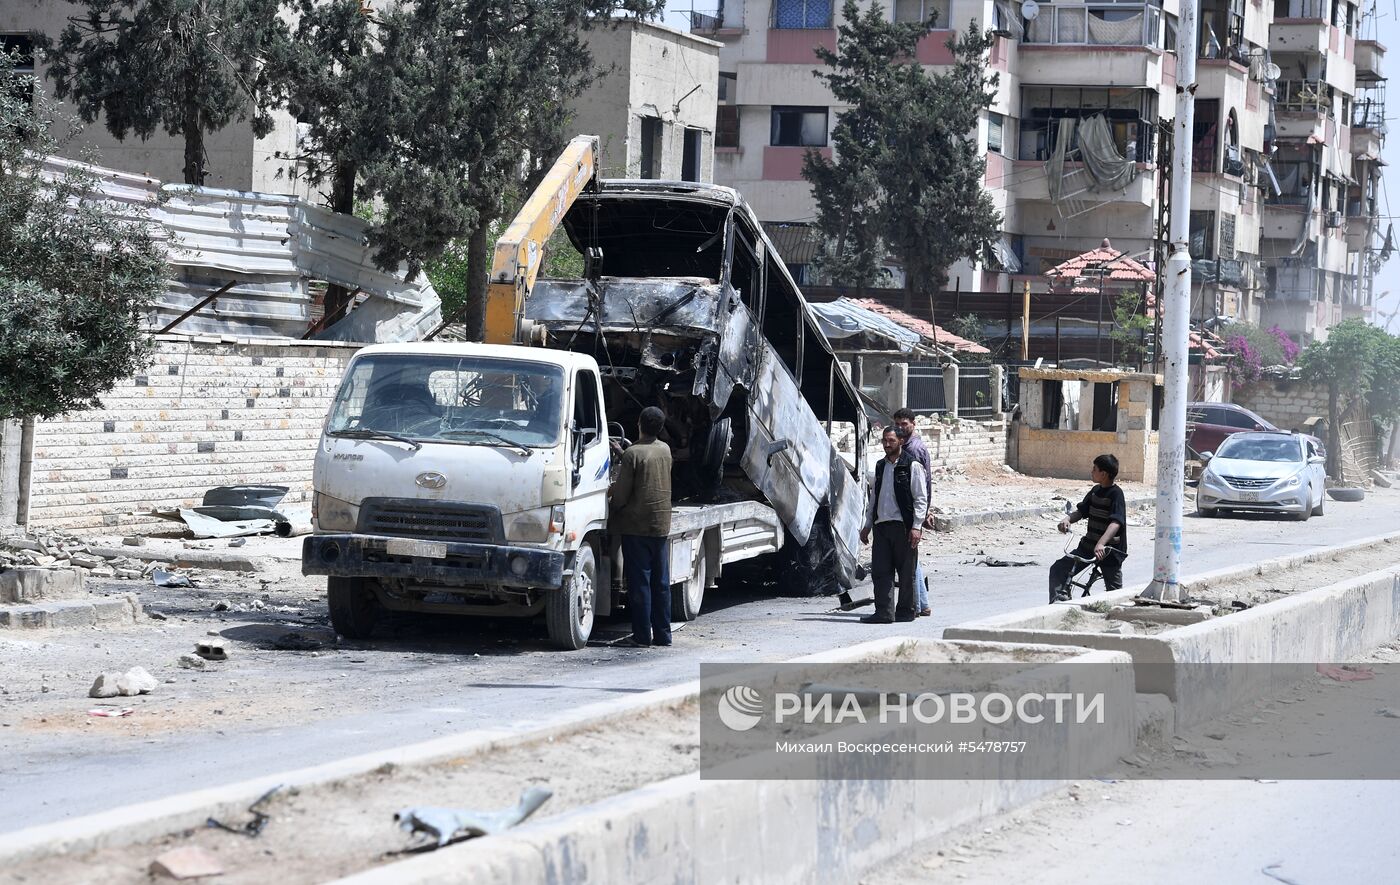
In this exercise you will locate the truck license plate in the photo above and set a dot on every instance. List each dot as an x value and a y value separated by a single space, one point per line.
1249 496
410 547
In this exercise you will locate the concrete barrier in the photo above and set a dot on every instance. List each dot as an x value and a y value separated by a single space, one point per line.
1326 625
689 829
681 829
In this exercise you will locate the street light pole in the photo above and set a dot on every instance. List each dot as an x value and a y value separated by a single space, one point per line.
1171 436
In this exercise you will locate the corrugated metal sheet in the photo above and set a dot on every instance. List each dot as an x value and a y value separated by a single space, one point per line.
841 319
271 246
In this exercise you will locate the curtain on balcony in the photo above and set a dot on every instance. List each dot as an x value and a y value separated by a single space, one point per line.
1125 32
1110 169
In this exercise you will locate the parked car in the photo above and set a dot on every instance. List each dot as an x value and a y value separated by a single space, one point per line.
1208 425
1270 471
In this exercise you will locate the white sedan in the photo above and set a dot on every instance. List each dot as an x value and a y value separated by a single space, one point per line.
1264 472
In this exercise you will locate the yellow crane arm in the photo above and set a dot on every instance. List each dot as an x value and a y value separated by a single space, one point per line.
520 249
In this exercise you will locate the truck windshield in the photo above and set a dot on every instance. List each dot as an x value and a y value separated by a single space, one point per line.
455 399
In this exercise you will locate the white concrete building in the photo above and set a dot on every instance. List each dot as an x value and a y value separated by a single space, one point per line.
1073 61
654 107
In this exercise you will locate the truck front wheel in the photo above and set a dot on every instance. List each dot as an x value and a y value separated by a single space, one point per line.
568 612
354 609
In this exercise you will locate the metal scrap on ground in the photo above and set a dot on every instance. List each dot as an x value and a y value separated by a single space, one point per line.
446 824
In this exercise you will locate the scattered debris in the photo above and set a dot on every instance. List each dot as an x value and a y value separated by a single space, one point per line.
1346 672
191 662
187 862
156 616
1121 630
223 606
445 824
129 684
134 541
238 542
1269 871
295 640
254 827
1388 713
211 651
1003 563
112 714
162 578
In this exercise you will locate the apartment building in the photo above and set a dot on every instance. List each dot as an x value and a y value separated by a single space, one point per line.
1078 139
1320 220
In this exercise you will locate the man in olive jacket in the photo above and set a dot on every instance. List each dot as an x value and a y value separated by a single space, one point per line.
641 514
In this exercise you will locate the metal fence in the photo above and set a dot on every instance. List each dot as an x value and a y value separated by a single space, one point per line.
926 388
975 395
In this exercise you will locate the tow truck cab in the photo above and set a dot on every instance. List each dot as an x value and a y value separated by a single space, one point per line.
465 479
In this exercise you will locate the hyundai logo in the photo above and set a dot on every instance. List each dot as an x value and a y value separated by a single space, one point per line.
431 480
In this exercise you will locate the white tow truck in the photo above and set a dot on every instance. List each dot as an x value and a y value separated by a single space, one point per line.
472 478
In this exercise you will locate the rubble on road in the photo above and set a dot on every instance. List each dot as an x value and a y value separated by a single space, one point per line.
187 862
56 551
129 684
191 662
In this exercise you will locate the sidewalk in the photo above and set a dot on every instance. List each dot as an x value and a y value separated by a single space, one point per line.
985 493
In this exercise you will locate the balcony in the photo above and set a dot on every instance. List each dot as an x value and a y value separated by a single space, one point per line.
1035 186
1310 34
1285 222
725 21
1303 108
1370 55
1077 25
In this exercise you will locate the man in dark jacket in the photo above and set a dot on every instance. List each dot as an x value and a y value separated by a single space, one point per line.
641 514
898 505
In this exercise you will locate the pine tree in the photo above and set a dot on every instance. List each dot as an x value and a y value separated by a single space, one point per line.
189 67
907 175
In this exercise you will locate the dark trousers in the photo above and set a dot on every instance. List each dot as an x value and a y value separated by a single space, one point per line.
646 562
1065 568
892 558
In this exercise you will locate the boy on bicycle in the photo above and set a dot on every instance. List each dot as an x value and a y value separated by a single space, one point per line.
1106 539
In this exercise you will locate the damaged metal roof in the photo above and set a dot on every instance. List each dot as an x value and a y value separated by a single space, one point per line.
270 247
846 317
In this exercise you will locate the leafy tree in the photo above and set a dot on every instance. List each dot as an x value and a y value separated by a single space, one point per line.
1254 350
906 178
76 277
1130 325
1357 362
189 67
971 327
469 106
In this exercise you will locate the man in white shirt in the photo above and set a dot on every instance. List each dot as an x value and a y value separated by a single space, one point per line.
898 505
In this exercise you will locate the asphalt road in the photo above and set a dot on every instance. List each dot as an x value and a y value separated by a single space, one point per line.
425 678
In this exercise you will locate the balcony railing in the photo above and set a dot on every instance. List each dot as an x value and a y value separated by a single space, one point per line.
1305 96
704 21
1368 114
1116 25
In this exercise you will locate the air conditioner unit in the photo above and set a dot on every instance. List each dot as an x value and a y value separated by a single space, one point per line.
1334 219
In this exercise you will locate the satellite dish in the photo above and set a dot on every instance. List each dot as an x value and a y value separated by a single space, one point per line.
1029 10
1272 71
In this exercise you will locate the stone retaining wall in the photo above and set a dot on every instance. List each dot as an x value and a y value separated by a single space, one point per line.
966 442
1286 403
207 412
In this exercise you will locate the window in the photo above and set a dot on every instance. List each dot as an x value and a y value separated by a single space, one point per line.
799 127
1202 235
588 417
1131 115
920 11
996 126
727 120
728 85
1241 419
690 160
727 127
794 14
20 47
651 148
